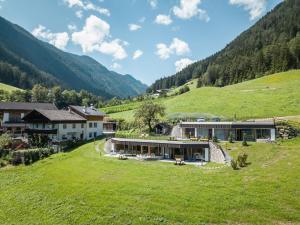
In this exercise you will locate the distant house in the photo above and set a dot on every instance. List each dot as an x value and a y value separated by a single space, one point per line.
160 92
57 125
251 130
162 128
94 120
11 114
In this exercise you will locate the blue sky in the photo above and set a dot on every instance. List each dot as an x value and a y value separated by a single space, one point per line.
148 39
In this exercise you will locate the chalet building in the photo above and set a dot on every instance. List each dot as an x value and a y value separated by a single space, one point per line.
252 131
11 114
57 125
94 120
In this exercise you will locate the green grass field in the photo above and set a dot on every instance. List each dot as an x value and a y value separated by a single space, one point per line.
81 187
9 88
269 96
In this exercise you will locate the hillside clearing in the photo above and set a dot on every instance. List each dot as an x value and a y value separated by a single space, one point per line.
8 88
82 188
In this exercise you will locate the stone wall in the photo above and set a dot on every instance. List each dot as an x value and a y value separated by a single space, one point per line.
286 130
216 153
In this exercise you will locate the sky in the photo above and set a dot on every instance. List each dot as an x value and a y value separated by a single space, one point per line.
148 39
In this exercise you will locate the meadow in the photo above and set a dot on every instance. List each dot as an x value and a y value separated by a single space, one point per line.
265 97
84 187
8 88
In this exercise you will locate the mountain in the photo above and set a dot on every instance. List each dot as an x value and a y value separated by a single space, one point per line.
269 46
25 61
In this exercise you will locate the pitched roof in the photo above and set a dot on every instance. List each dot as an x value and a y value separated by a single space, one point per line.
57 115
87 111
26 106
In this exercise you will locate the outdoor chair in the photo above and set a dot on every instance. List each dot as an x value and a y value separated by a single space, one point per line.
179 160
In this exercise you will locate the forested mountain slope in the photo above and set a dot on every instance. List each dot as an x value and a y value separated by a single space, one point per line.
271 45
25 61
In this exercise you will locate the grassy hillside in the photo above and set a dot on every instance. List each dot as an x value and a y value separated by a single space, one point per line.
269 96
6 87
82 188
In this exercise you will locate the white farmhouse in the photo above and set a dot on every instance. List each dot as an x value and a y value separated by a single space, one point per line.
94 120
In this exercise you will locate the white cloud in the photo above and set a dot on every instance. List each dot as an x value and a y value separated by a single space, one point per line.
163 19
114 48
177 47
153 3
137 54
189 9
163 51
134 27
116 66
255 7
92 34
79 14
86 5
59 40
72 27
182 63
180 46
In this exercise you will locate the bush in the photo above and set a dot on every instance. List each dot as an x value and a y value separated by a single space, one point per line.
242 159
215 139
230 138
5 141
234 164
244 143
30 156
184 89
3 163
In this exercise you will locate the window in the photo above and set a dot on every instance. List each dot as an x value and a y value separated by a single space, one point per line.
95 134
36 125
64 126
90 125
82 125
95 125
44 126
90 135
74 125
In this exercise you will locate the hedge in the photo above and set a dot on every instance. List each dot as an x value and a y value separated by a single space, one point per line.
30 156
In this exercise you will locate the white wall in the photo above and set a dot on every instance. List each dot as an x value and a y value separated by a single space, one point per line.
69 132
91 130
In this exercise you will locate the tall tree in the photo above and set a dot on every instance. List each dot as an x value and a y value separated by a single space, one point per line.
149 113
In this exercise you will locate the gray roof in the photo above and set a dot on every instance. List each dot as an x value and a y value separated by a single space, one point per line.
61 115
87 111
28 106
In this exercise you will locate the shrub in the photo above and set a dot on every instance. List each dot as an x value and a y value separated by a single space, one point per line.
230 138
184 89
244 143
234 164
3 163
30 156
242 159
5 140
215 139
